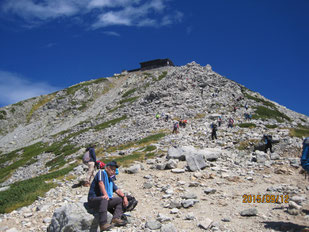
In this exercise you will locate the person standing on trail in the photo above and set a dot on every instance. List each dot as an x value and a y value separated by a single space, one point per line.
230 124
175 128
213 131
219 121
90 164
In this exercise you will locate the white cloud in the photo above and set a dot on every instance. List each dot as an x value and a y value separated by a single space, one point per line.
104 12
112 33
15 88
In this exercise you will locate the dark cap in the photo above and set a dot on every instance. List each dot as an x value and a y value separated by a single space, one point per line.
112 164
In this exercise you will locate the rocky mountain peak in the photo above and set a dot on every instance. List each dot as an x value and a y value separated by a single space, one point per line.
49 133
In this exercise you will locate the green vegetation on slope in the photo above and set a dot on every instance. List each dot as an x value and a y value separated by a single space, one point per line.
262 112
25 192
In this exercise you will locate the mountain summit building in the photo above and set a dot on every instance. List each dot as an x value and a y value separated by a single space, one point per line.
151 64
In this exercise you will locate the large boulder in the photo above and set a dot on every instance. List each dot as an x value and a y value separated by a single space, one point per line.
195 162
75 217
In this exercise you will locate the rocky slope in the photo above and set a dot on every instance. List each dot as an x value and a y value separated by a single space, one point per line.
118 112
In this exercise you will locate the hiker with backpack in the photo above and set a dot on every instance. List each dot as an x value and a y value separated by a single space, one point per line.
90 160
304 160
175 128
268 143
166 118
100 197
213 131
230 123
157 116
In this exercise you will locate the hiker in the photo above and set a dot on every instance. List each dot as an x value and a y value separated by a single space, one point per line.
175 128
157 116
268 143
246 106
91 164
304 160
219 121
213 131
230 123
246 116
235 108
184 123
166 118
100 197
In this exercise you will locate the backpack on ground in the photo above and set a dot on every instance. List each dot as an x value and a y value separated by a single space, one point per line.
304 160
86 157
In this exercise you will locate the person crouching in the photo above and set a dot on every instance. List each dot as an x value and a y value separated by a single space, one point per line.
100 197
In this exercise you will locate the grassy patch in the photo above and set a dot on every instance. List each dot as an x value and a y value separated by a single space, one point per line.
109 123
263 113
247 125
151 138
39 104
129 92
266 103
114 109
150 148
144 141
299 132
199 115
132 99
271 126
26 155
25 192
162 76
125 161
244 145
71 90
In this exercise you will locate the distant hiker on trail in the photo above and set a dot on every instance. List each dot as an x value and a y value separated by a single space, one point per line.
246 106
157 116
166 118
219 121
90 162
175 128
230 123
235 108
304 160
213 131
247 116
268 139
183 123
100 197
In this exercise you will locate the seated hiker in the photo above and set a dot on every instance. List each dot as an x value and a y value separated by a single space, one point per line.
100 197
91 164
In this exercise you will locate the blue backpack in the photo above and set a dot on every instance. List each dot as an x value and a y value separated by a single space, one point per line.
304 160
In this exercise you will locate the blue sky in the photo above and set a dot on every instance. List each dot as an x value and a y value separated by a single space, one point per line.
47 45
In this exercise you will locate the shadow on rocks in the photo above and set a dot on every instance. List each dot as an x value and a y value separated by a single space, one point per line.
284 226
79 184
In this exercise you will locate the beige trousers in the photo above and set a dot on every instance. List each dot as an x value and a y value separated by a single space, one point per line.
90 173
